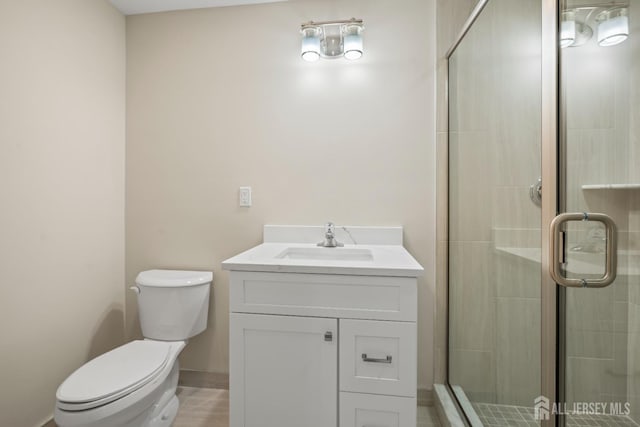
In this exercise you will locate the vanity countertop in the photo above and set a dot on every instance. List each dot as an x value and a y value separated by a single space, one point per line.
374 251
365 260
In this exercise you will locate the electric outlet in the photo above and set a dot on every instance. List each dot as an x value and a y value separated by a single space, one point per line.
245 196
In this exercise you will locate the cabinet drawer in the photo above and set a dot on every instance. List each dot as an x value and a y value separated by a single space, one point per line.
378 357
369 410
324 295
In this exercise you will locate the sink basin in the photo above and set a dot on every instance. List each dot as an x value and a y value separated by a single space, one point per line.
326 254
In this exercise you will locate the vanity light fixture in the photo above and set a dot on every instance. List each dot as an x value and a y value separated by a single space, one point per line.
613 26
572 32
332 39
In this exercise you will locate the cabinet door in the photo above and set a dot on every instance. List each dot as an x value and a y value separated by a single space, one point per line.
283 371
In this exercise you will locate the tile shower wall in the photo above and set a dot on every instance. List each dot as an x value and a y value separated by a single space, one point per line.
515 217
601 90
450 17
495 150
472 359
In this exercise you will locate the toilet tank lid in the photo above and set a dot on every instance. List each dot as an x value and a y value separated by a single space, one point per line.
173 278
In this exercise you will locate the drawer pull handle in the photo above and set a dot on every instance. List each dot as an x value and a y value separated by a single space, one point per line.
374 360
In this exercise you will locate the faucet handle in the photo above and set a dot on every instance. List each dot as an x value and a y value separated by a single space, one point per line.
330 236
330 228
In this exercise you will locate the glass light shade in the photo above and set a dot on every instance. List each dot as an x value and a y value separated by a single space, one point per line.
310 56
568 28
310 50
567 33
353 42
614 29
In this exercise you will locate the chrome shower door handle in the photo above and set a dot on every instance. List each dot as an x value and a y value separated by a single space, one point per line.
555 252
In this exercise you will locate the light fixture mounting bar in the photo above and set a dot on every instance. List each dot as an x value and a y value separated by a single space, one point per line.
312 24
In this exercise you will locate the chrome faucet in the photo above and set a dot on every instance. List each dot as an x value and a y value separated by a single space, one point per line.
330 237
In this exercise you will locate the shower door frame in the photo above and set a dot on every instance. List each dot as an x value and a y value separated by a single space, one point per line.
552 337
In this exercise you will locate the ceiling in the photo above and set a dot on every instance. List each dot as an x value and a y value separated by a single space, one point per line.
134 7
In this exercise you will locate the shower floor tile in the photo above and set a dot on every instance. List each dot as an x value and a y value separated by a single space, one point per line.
519 416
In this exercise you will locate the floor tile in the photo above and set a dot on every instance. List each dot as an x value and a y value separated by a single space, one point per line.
209 407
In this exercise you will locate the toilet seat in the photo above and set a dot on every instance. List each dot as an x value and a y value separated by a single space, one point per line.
114 375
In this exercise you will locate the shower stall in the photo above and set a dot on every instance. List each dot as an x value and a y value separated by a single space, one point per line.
544 214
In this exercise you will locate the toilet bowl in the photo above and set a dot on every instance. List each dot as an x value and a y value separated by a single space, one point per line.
135 384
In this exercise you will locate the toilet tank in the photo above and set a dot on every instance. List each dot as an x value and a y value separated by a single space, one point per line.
173 304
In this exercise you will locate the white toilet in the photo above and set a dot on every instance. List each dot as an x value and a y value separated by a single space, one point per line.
135 385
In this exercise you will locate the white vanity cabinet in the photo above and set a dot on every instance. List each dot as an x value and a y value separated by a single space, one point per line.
322 350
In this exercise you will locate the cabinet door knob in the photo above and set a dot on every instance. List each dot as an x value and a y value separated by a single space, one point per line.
328 336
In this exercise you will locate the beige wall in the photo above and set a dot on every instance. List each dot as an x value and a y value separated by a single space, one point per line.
219 98
62 199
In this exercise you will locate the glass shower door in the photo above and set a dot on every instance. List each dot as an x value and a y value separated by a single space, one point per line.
600 170
495 216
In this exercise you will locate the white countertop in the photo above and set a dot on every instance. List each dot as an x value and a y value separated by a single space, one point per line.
387 260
